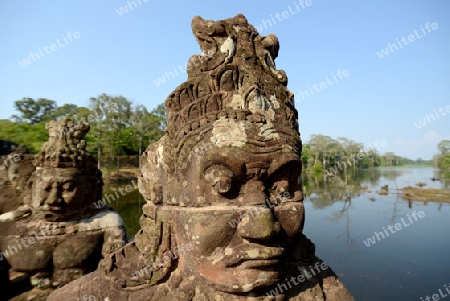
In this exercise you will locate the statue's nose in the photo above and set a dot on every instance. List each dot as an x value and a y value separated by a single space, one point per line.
258 223
54 196
254 193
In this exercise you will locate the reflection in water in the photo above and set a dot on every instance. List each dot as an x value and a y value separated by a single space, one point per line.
440 175
343 212
391 174
129 206
324 190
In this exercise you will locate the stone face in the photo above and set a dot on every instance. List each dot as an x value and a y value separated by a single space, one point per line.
16 167
224 213
57 234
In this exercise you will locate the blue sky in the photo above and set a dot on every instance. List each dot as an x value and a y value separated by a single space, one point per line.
380 99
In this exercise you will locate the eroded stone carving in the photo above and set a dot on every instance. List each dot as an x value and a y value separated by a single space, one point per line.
236 209
58 235
16 168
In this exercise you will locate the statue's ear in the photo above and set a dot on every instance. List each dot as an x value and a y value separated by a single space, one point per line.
152 175
28 189
149 258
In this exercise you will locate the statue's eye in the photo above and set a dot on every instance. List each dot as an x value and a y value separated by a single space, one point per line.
280 191
223 185
48 186
220 177
281 186
68 186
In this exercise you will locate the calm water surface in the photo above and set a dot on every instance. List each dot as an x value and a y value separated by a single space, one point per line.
413 262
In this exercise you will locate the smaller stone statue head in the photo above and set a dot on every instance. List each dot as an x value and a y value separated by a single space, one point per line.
66 182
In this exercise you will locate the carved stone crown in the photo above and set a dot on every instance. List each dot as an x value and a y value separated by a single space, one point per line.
235 77
65 146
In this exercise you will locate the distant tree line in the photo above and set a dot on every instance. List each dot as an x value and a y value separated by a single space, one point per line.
118 127
342 155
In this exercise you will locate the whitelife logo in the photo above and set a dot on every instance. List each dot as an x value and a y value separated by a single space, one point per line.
371 240
323 85
411 38
284 15
423 122
124 9
53 47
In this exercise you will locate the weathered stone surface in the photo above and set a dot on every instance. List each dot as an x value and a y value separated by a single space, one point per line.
57 234
224 213
16 167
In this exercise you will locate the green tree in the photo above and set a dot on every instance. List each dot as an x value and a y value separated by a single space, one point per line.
112 115
145 129
350 151
160 112
67 110
34 111
321 148
443 158
99 107
32 136
444 147
371 158
389 159
306 157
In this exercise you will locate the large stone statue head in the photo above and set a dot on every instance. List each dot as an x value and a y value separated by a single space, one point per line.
66 182
225 178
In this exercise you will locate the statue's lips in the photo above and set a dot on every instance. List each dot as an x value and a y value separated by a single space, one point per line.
250 256
243 268
256 264
52 208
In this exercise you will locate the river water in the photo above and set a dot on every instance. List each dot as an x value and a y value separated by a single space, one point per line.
342 213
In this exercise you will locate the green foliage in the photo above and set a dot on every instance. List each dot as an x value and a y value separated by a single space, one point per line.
67 110
445 163
32 136
341 156
117 127
146 128
34 111
443 159
306 155
318 168
160 113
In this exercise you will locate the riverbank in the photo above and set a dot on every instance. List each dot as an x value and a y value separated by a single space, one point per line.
426 194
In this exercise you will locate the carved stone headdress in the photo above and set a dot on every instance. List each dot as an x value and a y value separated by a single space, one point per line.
65 146
234 79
